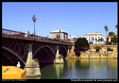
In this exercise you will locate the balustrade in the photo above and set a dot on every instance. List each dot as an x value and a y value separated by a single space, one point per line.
31 36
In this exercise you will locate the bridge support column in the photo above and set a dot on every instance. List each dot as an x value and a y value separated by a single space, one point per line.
59 57
67 53
31 66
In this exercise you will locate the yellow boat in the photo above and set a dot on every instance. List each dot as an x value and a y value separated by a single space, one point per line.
13 72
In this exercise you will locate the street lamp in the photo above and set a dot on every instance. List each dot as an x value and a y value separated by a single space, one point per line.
34 20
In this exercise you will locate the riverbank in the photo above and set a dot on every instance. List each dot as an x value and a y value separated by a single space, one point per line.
94 55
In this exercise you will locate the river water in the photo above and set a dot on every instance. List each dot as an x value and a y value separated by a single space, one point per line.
81 69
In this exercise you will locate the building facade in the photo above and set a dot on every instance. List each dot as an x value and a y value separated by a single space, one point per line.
59 34
73 38
93 38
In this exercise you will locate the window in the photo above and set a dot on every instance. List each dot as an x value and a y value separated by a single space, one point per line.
58 36
92 38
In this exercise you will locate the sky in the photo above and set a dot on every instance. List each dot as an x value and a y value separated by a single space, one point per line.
75 18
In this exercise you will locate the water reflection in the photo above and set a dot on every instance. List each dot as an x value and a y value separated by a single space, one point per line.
59 70
81 69
77 68
49 72
103 69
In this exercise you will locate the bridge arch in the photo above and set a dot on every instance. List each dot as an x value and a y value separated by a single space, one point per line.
43 47
63 51
14 54
45 54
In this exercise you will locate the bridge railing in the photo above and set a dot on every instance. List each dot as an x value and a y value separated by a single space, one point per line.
11 32
50 39
30 36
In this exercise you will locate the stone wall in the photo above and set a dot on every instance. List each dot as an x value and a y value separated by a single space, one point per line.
98 55
104 47
94 54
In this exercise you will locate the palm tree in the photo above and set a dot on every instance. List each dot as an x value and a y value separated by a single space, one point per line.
106 29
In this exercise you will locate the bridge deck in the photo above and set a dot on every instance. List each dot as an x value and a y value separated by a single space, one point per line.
24 36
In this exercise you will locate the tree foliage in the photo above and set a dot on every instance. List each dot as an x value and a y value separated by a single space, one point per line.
101 39
114 39
111 34
106 29
81 44
109 49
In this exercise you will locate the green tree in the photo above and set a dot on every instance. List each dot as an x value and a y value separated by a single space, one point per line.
108 43
114 39
111 34
77 47
81 44
101 39
106 29
85 45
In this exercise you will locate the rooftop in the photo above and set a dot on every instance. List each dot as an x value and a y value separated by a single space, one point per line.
94 33
73 37
58 30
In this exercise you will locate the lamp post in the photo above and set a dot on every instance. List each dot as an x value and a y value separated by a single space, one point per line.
34 20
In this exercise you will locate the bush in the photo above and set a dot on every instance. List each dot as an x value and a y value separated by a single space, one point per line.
97 48
36 60
108 43
109 49
77 53
101 39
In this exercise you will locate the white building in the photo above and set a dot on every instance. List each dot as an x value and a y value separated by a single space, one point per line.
59 34
73 38
93 38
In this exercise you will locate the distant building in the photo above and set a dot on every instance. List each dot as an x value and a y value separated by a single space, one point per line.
93 38
59 34
73 38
